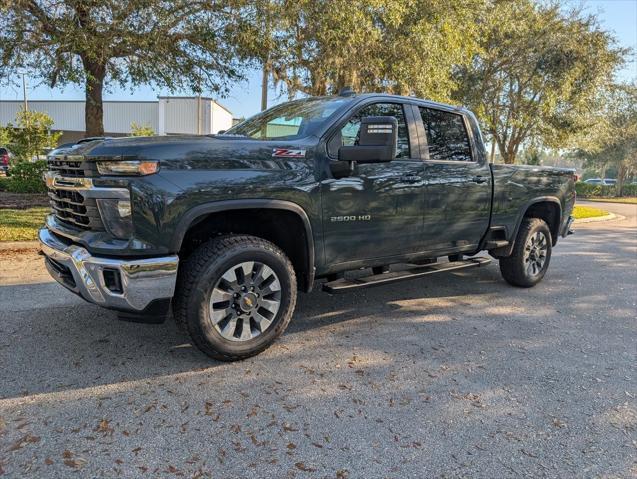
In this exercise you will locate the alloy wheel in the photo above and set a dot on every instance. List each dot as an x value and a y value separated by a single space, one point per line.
245 301
535 252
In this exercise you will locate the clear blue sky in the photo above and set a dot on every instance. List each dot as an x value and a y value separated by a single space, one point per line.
617 16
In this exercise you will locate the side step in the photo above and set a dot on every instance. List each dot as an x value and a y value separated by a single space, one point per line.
342 285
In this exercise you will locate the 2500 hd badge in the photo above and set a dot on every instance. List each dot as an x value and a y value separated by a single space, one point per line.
337 219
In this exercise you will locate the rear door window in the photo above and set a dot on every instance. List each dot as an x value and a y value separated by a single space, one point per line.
447 136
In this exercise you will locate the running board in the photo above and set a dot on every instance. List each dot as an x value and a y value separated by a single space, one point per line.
495 244
343 285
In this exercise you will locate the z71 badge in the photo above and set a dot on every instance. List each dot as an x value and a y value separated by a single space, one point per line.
287 153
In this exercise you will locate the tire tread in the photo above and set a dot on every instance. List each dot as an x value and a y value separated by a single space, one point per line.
510 267
194 265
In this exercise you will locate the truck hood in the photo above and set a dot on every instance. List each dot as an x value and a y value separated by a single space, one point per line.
184 148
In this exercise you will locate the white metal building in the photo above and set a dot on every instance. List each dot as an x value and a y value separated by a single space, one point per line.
167 116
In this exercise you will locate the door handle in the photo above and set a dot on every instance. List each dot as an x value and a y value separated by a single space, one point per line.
410 178
479 179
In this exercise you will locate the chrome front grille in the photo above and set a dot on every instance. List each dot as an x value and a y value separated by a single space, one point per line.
68 203
72 167
71 207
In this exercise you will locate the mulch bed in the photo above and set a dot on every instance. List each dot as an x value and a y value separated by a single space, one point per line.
22 201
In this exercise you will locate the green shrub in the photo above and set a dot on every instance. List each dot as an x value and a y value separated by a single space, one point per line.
630 190
585 190
26 177
141 130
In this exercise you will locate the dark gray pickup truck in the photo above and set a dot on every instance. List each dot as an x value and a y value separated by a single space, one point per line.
223 230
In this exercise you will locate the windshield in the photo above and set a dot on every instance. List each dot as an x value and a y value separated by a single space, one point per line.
289 121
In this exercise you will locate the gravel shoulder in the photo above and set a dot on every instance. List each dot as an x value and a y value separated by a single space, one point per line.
461 376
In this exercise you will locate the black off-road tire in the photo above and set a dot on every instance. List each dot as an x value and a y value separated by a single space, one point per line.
514 268
203 269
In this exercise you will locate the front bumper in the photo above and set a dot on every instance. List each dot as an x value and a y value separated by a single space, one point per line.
141 281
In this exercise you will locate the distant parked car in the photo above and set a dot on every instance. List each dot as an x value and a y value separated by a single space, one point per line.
599 181
4 160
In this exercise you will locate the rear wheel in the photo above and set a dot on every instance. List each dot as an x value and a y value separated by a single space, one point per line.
235 296
531 254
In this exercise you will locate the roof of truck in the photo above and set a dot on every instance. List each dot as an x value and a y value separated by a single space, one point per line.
407 98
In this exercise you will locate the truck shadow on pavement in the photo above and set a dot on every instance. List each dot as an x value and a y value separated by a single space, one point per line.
60 348
48 349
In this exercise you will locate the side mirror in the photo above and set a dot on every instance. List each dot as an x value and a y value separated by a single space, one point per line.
377 141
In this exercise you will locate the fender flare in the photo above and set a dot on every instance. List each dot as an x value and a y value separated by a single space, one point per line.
190 217
527 205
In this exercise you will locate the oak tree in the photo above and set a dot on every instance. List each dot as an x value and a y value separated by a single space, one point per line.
536 73
192 44
611 136
395 46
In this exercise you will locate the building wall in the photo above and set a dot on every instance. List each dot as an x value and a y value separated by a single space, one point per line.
69 115
118 116
221 118
168 116
181 116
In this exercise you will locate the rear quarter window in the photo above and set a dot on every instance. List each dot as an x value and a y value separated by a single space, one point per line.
447 136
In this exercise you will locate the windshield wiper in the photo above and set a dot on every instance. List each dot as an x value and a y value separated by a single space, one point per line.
228 135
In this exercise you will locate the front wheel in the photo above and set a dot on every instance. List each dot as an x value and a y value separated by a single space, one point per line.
531 254
235 295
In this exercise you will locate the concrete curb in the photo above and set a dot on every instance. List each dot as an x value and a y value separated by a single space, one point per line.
595 219
18 245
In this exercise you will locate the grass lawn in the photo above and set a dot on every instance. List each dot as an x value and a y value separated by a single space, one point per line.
581 212
629 200
21 225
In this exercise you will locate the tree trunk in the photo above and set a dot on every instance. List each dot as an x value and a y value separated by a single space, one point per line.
264 86
94 108
622 171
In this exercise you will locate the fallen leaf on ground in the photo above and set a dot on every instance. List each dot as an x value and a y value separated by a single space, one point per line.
301 466
23 441
75 463
104 427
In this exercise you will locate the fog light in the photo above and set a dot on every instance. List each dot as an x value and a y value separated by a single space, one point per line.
124 208
116 216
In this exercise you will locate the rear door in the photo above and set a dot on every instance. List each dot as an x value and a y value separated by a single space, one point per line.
377 211
457 181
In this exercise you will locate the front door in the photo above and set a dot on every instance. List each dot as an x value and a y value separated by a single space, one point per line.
457 184
377 211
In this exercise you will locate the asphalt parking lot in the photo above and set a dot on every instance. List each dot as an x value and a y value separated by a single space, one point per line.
458 375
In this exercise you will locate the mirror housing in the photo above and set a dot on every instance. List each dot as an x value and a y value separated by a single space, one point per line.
377 141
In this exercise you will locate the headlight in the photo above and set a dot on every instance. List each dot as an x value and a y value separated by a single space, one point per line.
128 168
117 217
